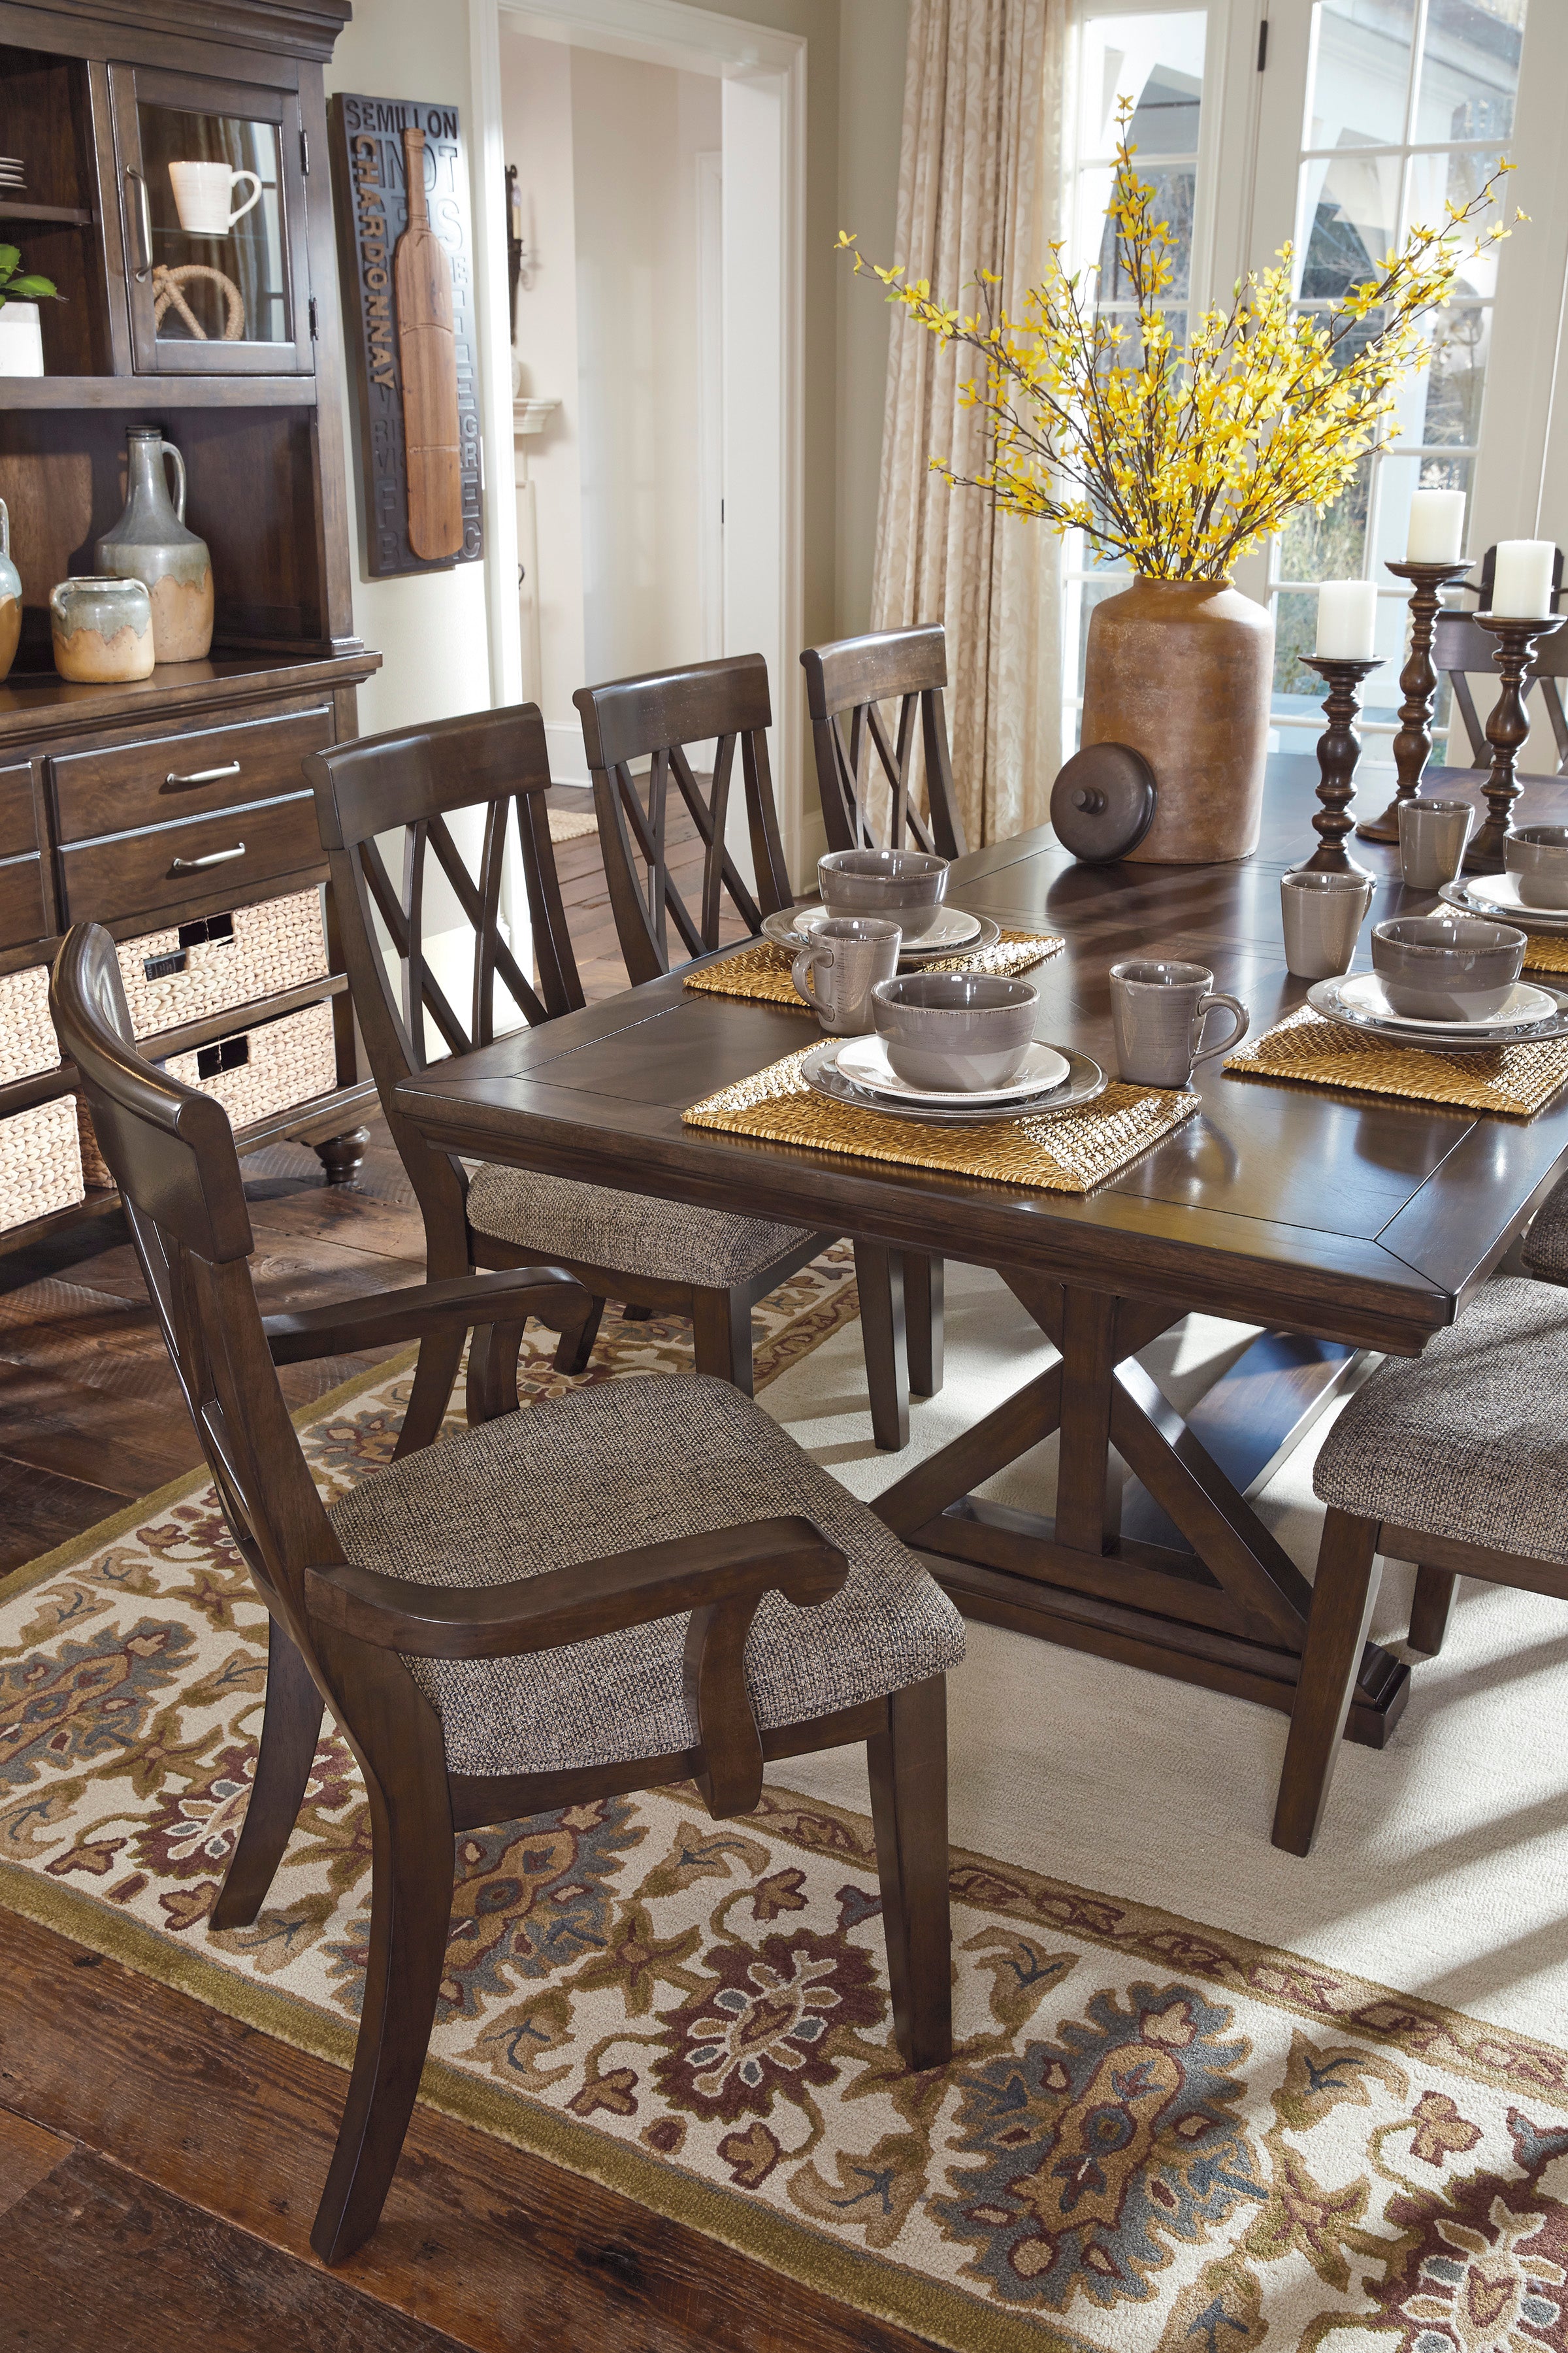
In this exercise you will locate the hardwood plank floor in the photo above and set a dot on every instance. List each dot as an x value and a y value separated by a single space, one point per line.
160 2163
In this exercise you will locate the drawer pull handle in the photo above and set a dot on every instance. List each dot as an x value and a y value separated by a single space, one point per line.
212 857
202 776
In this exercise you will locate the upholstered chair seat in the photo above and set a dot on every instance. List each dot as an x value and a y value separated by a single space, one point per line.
604 1469
1546 1243
560 1217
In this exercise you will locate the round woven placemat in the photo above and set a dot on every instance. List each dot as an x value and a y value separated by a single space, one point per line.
1060 1155
1515 1080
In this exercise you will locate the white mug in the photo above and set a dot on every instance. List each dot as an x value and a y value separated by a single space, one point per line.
202 191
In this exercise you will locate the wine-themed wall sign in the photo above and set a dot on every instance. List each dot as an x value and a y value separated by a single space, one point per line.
400 193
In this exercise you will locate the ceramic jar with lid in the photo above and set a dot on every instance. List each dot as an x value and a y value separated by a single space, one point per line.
10 597
102 629
150 543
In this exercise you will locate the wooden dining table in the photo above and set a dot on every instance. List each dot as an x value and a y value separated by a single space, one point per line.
1334 1222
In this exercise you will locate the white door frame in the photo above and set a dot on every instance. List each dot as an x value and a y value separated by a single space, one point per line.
664 32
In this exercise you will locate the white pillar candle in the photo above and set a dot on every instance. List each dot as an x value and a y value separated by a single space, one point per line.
1347 620
1437 527
1521 585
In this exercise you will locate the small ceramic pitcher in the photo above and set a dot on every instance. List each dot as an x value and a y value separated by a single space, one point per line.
102 629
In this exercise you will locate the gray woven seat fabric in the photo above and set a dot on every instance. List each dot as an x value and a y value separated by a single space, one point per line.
599 1471
1546 1243
627 1233
1471 1439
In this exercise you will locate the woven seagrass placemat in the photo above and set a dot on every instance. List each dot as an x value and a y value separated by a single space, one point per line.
762 971
1062 1155
1547 952
1518 1079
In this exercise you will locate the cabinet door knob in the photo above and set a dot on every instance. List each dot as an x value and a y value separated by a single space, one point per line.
202 776
212 857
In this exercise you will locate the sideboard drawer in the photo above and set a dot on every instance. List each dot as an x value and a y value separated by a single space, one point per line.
17 831
21 901
179 775
139 874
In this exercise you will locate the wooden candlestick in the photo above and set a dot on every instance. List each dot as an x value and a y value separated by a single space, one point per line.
1338 748
1418 684
1507 724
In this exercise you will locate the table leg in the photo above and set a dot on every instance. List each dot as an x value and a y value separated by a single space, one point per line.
1154 1555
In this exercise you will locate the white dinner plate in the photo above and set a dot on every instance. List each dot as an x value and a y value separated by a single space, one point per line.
1363 992
1496 895
865 1060
953 930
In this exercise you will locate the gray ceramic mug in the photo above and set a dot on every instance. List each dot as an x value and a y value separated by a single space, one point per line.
835 974
1322 915
1159 1011
1432 837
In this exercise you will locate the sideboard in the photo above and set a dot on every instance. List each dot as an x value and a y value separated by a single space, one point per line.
173 810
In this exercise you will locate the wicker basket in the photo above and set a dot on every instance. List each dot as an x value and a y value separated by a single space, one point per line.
192 970
262 1071
40 1162
27 1041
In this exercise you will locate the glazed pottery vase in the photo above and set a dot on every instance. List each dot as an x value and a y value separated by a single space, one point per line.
102 629
1182 670
21 339
10 597
150 543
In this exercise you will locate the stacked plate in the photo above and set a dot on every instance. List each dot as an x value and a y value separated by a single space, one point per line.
857 1071
1356 1001
13 175
952 933
1496 896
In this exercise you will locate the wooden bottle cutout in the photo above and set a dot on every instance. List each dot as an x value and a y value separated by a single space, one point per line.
428 357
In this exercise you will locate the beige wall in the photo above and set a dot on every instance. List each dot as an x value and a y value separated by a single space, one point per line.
432 628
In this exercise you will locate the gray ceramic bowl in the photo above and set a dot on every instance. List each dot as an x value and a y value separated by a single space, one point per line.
1537 856
1446 967
907 886
956 1032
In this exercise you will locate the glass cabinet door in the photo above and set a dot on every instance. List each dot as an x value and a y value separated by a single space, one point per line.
212 195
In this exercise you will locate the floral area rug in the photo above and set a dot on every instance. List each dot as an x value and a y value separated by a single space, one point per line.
1153 2134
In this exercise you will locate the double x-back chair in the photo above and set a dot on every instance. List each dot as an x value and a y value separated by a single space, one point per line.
489 772
634 1583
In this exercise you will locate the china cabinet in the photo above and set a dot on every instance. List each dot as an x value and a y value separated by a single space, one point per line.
177 193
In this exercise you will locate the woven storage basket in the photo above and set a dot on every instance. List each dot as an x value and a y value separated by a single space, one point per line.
40 1162
27 1041
203 968
262 1071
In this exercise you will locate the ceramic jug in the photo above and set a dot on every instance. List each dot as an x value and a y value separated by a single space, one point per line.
150 543
102 629
10 596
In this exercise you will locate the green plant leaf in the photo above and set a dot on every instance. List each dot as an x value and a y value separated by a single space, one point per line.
10 255
32 288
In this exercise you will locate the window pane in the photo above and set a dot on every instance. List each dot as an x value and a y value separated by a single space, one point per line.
1361 80
1469 70
1295 634
213 194
1349 215
1158 63
1399 474
1456 376
1333 545
1091 594
1174 185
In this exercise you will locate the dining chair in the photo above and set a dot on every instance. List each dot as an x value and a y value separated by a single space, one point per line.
845 683
491 771
1457 1461
662 717
1459 647
632 1584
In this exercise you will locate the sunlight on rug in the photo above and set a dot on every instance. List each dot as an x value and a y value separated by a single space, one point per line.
1154 2133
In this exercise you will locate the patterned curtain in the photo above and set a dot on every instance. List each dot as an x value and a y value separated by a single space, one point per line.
978 181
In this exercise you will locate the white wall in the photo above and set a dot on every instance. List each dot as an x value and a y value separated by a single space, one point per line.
430 629
872 35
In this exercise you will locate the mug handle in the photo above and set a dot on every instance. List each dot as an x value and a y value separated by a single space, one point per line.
167 449
803 972
253 198
1207 1004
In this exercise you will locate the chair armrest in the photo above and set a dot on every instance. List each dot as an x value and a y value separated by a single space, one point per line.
719 1579
346 1326
573 1605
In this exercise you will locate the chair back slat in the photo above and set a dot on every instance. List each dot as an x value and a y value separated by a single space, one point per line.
847 684
1462 649
658 718
171 1151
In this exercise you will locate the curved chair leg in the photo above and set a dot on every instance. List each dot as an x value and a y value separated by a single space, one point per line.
722 1330
908 1806
290 1727
1343 1595
1431 1608
923 1288
880 1279
632 1313
440 1354
411 1910
577 1343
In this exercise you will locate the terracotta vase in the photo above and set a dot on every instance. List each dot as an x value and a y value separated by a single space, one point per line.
150 543
1183 670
